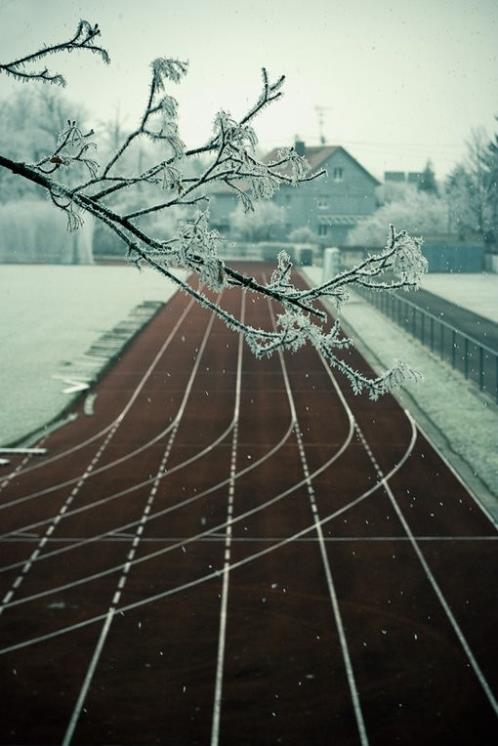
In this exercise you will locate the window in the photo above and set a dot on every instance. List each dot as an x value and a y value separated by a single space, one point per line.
322 203
338 174
323 229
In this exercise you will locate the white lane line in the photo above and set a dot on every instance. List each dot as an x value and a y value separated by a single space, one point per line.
220 660
348 665
263 539
55 520
139 530
68 736
432 580
216 573
113 424
355 697
19 468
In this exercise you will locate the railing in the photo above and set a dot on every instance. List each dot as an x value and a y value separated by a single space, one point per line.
477 362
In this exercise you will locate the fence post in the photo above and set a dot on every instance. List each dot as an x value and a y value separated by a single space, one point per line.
422 328
432 332
481 368
466 357
453 347
414 320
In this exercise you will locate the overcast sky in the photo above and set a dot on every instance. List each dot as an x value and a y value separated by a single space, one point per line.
399 81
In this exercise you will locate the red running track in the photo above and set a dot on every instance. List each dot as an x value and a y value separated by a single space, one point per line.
233 551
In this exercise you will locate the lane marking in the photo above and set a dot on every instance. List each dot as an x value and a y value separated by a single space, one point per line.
54 522
435 586
88 678
220 659
221 537
348 665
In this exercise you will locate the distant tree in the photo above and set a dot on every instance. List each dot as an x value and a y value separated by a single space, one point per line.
472 192
419 211
393 191
490 163
264 223
29 127
462 195
427 181
194 246
303 234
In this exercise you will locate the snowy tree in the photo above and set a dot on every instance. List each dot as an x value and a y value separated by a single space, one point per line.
264 223
418 211
490 160
29 126
472 190
427 181
232 160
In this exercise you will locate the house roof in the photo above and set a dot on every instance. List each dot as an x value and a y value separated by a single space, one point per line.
316 155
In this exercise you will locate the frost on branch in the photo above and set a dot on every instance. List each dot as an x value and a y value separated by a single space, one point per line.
84 38
169 183
164 68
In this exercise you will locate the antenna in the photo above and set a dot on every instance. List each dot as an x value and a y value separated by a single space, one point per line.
321 117
320 112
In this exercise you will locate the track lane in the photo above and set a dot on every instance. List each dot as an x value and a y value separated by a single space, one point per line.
372 566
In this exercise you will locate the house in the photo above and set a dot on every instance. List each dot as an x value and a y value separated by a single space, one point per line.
331 205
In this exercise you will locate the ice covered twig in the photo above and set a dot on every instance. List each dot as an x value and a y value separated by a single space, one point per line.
84 38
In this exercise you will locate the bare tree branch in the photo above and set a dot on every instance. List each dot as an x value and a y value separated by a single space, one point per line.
84 38
195 245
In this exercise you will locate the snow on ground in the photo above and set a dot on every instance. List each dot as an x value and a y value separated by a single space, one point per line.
462 422
49 316
475 292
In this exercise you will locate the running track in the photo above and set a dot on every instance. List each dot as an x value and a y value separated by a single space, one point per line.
233 551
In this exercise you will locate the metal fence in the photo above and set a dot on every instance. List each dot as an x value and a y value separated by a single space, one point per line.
477 362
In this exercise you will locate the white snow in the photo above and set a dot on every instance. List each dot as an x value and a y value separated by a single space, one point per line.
50 316
475 292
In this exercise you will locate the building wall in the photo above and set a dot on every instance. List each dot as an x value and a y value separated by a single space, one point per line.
220 207
318 202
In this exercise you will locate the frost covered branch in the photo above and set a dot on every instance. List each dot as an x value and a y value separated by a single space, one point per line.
195 246
84 38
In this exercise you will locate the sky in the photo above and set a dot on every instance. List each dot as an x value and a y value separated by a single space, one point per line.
398 82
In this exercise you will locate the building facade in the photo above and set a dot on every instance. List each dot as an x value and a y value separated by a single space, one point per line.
331 205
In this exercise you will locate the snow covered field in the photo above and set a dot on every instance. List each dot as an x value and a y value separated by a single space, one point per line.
463 423
476 292
49 317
